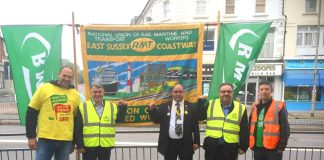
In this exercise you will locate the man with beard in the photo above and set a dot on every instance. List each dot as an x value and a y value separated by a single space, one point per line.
52 111
226 126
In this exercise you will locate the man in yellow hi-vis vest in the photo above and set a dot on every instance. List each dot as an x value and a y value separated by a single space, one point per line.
227 133
95 124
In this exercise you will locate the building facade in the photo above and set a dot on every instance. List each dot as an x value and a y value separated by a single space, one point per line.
270 62
303 43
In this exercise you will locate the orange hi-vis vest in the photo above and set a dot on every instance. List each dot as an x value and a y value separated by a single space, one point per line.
271 132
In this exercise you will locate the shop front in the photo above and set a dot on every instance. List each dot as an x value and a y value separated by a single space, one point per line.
249 91
299 81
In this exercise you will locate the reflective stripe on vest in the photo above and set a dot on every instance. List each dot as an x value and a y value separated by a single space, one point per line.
96 131
218 125
271 132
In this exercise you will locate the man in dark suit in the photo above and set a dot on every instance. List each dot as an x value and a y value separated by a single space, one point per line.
179 130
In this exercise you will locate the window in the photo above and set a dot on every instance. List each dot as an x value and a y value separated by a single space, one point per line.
307 36
166 9
310 6
301 93
201 7
267 49
209 40
259 6
323 38
209 34
230 7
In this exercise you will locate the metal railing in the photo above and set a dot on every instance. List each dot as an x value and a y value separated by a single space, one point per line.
299 120
149 152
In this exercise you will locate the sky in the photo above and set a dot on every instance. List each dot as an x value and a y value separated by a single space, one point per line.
25 12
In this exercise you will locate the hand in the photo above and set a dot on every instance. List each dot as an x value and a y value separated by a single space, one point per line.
32 143
152 106
82 150
202 97
122 103
195 146
240 152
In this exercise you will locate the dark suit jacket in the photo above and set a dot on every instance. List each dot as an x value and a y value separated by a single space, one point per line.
190 126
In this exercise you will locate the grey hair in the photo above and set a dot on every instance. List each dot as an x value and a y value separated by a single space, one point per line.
97 82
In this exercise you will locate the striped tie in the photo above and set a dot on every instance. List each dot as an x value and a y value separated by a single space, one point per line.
178 127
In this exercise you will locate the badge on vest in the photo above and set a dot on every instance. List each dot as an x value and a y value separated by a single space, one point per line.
105 118
179 122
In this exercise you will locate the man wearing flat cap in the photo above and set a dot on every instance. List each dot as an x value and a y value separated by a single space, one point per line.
95 124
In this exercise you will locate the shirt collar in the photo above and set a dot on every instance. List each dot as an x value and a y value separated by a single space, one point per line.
227 107
94 103
175 102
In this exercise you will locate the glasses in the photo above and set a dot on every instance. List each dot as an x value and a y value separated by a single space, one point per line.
229 92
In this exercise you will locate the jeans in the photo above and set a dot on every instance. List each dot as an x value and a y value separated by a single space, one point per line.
46 148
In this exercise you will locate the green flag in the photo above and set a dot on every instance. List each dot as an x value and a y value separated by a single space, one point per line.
239 46
35 57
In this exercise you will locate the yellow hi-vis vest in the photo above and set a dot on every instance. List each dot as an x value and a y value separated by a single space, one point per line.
96 131
218 125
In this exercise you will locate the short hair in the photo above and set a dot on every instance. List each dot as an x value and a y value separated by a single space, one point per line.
265 82
97 82
226 84
63 67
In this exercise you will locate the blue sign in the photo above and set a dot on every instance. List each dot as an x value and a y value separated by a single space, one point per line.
304 64
209 45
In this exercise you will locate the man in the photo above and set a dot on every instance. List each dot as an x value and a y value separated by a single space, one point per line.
227 125
52 109
179 130
269 128
95 124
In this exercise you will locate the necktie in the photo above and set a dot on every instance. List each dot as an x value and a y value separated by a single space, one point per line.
178 127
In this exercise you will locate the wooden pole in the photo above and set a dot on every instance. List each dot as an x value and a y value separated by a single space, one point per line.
74 52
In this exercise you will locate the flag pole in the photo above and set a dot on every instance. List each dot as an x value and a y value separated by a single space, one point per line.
74 52
316 61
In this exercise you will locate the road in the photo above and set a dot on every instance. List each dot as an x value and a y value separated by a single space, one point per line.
149 139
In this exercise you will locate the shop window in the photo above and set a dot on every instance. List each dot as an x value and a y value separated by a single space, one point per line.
230 7
301 93
310 6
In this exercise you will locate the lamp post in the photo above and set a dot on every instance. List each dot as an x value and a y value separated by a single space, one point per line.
316 60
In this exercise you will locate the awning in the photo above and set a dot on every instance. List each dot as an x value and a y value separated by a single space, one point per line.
303 77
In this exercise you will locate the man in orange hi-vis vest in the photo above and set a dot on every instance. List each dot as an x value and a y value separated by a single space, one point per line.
269 127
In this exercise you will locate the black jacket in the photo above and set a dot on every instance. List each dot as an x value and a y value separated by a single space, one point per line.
78 126
191 133
244 126
283 122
